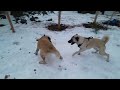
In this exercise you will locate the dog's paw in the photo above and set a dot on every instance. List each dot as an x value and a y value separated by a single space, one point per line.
36 53
94 52
78 53
73 54
61 57
107 60
42 62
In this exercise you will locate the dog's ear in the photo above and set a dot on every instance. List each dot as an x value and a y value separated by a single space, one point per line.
44 34
37 39
49 39
77 38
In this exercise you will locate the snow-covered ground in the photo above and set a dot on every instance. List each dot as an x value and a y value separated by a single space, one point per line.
18 60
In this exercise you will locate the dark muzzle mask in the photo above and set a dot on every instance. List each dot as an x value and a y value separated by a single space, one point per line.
70 41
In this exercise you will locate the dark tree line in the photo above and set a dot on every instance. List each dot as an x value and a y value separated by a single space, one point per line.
92 12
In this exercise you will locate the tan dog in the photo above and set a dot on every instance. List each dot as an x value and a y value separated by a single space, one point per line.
85 43
46 47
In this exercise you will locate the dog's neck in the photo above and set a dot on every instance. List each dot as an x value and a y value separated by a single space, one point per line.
81 41
88 38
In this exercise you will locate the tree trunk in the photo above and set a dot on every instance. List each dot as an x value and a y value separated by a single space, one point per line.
10 22
94 22
97 12
111 18
59 19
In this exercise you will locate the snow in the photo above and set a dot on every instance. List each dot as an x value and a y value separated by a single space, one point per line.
18 60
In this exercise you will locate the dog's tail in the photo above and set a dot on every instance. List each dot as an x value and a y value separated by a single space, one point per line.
105 39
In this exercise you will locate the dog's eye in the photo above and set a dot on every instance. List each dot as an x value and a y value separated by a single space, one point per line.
77 38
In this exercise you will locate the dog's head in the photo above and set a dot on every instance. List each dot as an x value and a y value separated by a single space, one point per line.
45 36
74 39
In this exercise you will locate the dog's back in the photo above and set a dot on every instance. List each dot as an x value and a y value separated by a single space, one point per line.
45 45
95 42
101 42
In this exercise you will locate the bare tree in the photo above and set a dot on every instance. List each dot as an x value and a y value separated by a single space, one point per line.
9 19
97 12
111 17
95 22
10 22
59 19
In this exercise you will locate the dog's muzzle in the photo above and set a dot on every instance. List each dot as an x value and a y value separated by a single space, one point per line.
70 41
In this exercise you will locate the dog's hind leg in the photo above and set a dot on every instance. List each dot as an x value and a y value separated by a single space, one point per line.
43 57
79 53
36 52
57 53
96 50
102 52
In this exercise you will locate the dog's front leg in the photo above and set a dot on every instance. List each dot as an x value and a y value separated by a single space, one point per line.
76 53
36 52
57 53
42 54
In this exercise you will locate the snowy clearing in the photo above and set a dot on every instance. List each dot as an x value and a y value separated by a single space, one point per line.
18 60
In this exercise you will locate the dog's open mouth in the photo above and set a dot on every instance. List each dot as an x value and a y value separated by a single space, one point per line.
70 41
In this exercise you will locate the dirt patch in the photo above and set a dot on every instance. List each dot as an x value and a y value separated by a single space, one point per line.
94 26
54 27
113 22
97 26
1 25
118 45
6 76
16 43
